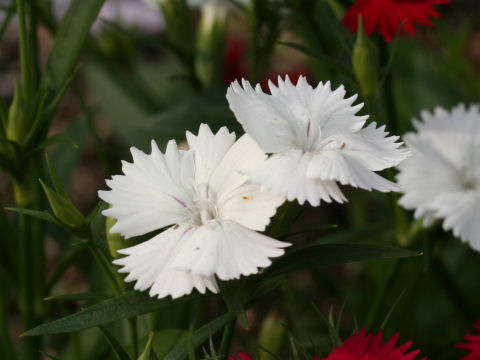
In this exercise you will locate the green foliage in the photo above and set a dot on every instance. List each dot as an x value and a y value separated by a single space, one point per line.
123 306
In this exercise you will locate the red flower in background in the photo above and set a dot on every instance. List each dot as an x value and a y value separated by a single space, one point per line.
363 346
243 356
386 16
235 60
473 344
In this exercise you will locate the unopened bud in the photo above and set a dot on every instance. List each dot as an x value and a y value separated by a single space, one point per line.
365 62
18 120
66 213
211 42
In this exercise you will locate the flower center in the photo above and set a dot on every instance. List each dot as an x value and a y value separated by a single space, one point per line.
468 180
203 212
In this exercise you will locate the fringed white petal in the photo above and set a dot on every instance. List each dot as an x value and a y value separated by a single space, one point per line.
267 120
152 193
149 264
209 149
461 214
334 166
228 250
373 148
286 174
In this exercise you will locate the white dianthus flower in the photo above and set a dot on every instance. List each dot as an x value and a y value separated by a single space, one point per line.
316 140
441 180
211 211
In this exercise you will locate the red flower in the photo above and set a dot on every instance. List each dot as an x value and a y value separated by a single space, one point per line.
243 356
363 346
473 344
234 62
386 16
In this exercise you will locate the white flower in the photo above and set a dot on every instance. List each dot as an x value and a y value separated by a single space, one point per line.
316 140
442 177
211 212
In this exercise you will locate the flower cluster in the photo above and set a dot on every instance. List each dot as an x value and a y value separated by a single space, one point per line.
212 200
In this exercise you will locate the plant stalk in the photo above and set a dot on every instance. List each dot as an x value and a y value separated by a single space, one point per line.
24 54
227 336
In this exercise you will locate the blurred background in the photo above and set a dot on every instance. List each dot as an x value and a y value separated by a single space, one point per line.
143 78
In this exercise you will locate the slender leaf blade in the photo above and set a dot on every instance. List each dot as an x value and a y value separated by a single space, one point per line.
181 350
44 215
72 33
124 306
119 351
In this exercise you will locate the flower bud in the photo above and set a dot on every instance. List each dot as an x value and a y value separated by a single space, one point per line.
365 62
211 42
18 123
66 213
179 25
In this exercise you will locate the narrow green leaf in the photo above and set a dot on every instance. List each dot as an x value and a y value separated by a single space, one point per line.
232 297
119 351
334 337
390 312
44 215
331 254
124 306
56 184
147 352
55 140
79 297
94 212
72 33
180 351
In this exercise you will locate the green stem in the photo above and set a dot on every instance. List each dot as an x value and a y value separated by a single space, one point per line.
27 288
380 298
105 266
35 63
132 324
6 347
227 339
24 55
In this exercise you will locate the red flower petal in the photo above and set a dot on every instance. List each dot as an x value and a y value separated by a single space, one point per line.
386 16
363 346
472 345
243 356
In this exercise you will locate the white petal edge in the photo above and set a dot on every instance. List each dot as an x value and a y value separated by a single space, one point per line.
228 250
149 264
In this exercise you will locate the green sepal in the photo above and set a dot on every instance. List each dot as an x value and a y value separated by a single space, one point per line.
66 213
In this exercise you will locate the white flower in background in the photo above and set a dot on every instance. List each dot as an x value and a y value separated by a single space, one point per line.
441 180
210 212
316 140
145 14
